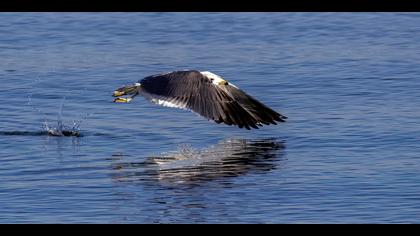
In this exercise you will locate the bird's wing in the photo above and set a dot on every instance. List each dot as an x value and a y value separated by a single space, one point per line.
191 90
259 111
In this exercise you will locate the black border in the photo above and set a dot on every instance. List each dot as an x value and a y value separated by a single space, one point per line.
211 5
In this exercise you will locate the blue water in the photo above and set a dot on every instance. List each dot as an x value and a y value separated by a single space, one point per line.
349 153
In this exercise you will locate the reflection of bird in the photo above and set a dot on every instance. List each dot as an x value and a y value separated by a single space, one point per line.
204 93
229 158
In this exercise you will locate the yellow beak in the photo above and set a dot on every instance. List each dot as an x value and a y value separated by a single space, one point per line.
118 93
123 100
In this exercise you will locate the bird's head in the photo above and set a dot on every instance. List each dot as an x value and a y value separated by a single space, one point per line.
215 79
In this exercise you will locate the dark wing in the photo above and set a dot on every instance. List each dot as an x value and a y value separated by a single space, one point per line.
191 90
259 111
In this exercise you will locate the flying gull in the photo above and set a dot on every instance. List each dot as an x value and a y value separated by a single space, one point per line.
204 93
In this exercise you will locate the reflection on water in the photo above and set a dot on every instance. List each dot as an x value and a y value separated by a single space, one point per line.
229 158
62 147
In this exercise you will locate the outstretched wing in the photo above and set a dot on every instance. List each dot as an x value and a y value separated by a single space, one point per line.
193 91
255 108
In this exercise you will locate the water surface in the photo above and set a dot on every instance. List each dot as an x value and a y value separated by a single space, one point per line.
348 82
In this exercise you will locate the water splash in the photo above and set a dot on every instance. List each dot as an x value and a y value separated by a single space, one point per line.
30 102
61 129
58 128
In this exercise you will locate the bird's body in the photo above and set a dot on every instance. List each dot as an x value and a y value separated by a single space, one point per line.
204 93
